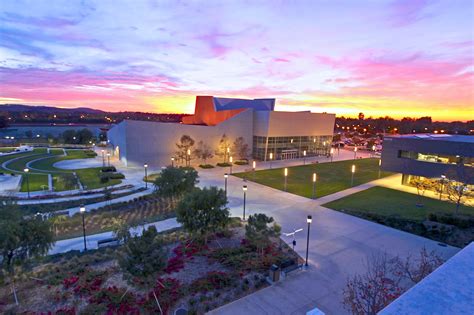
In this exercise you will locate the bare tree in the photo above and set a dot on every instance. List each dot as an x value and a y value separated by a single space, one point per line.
203 151
223 148
417 268
456 192
241 148
421 186
185 143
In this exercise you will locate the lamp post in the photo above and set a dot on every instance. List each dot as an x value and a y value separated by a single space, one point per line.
286 177
309 219
103 157
304 157
108 159
314 185
231 159
227 153
254 166
331 152
172 161
244 188
26 170
353 169
271 158
380 164
225 183
188 157
355 152
146 175
82 210
373 150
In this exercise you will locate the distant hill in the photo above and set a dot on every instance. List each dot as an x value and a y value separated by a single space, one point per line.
47 109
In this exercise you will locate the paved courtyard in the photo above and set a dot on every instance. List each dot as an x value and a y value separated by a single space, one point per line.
339 246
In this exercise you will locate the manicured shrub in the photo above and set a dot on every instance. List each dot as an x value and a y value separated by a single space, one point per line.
205 166
224 164
241 162
108 169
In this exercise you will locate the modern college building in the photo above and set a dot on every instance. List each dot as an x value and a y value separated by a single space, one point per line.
270 134
430 156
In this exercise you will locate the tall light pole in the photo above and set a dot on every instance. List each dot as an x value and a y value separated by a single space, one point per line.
304 157
309 219
380 164
355 152
286 177
373 150
108 159
271 158
314 185
103 157
244 188
82 210
172 161
227 154
26 170
146 175
331 152
353 169
188 157
443 177
254 166
225 183
231 159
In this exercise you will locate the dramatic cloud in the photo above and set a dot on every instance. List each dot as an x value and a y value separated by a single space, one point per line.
408 57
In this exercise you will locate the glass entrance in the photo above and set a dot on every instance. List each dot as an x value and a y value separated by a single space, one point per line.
289 154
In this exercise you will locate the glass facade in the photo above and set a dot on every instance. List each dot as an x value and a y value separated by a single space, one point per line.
436 158
284 148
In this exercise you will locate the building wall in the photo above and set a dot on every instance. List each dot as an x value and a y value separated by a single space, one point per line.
393 163
155 143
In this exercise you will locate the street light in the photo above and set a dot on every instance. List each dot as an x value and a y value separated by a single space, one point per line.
82 210
231 159
244 188
254 165
304 157
309 219
225 183
286 176
146 175
331 152
108 159
314 185
353 169
172 161
26 170
227 153
271 158
443 177
103 157
189 157
355 152
380 164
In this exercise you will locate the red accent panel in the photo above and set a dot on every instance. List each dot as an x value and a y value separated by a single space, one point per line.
204 113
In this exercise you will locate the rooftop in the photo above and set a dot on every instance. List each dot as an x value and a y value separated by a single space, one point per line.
222 103
436 137
447 290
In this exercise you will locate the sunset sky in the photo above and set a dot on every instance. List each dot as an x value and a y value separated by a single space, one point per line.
397 58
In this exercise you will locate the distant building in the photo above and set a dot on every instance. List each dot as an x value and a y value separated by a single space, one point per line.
430 156
269 133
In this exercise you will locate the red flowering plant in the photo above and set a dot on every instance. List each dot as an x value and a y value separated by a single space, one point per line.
117 301
183 252
212 281
167 291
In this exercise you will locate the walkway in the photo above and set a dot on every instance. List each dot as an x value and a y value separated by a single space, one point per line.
339 246
77 243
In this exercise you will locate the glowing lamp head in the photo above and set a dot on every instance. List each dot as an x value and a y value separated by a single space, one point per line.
82 209
355 149
172 159
226 175
108 154
244 188
254 164
373 148
304 153
353 169
228 149
271 156
309 219
231 159
26 170
189 152
145 165
286 171
314 177
332 150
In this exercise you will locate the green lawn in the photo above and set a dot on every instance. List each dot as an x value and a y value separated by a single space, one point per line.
6 149
390 202
20 164
56 151
331 177
36 182
6 158
90 177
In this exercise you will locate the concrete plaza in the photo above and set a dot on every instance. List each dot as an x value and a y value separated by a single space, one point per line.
339 247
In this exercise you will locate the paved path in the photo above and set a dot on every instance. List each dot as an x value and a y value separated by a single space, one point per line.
77 243
339 246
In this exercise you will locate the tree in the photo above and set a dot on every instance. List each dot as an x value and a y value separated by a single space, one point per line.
370 292
417 268
173 182
203 151
456 192
144 256
240 148
84 136
56 221
69 135
223 147
203 211
185 143
258 232
421 186
121 229
21 238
